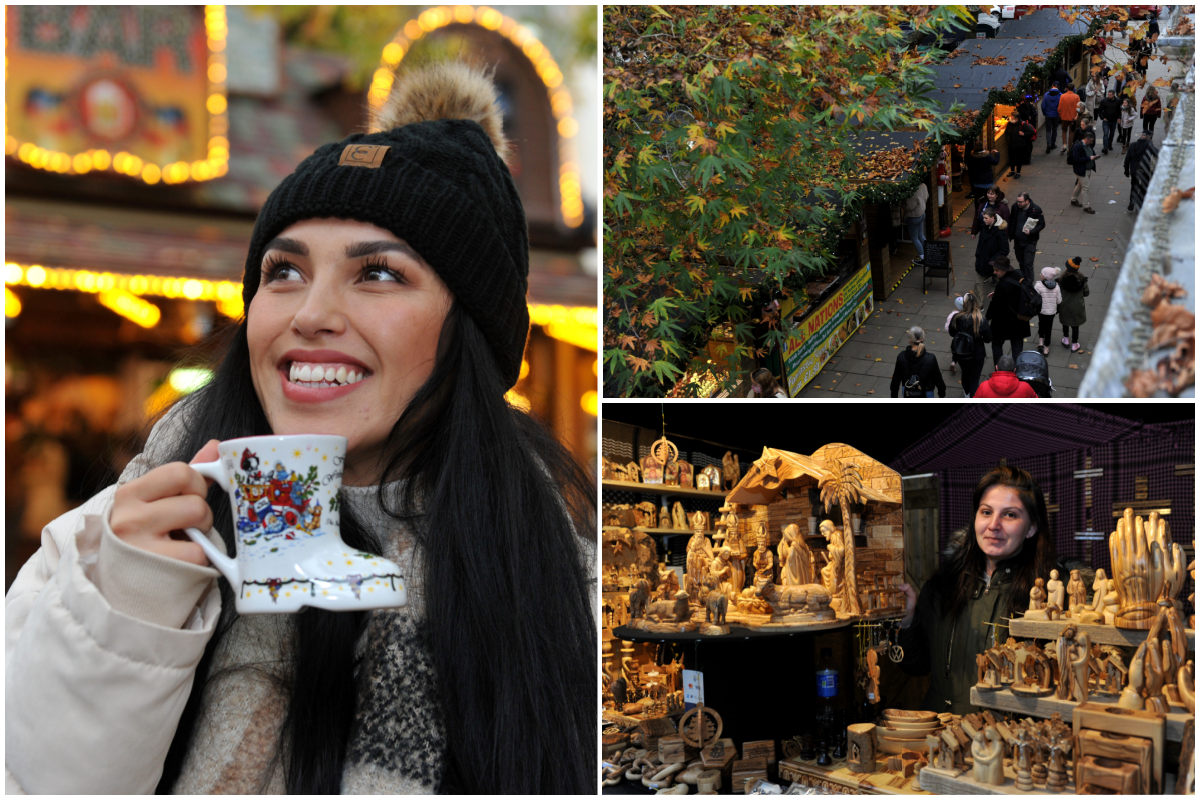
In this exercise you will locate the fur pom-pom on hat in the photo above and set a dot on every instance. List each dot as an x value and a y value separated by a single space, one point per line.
448 90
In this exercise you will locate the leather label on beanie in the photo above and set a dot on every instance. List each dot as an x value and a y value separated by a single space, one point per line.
363 155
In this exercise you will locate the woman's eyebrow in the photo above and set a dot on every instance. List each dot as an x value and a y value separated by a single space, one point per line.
287 245
360 249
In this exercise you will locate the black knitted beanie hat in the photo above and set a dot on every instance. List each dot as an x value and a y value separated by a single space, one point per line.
435 176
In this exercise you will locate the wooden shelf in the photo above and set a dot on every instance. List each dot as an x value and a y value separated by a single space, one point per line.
1100 634
940 782
656 531
661 488
1005 700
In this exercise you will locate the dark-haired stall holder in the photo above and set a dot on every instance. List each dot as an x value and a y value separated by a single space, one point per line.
977 626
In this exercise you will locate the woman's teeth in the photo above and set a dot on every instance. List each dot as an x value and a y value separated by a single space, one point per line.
316 375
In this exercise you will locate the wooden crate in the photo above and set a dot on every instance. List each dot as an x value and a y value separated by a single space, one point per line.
747 769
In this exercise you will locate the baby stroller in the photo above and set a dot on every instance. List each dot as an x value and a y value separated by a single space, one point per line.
1032 369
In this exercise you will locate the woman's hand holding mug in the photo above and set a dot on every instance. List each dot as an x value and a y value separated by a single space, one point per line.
150 512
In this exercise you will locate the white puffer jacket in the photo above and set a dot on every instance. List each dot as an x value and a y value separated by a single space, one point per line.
1050 297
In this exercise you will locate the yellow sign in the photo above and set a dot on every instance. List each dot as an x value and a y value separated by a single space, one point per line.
825 330
138 89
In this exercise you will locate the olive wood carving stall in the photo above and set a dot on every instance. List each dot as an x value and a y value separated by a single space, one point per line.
846 489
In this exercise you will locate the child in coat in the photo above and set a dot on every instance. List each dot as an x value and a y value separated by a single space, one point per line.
1051 294
1071 310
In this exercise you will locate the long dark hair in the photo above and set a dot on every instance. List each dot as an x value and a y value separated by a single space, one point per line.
955 580
511 630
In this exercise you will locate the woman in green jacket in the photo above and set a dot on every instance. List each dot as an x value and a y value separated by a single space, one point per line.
985 581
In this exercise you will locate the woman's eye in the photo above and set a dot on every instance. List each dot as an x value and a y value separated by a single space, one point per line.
379 273
281 271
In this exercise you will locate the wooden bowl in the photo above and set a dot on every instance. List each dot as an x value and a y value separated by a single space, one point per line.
900 725
906 736
895 747
902 715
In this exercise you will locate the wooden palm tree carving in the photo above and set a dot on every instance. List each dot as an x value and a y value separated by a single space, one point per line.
842 487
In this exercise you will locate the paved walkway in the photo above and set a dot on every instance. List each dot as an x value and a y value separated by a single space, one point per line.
864 365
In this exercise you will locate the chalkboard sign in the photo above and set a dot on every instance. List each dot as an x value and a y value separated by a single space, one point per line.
937 262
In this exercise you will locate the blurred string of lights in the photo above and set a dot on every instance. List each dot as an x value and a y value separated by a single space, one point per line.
215 166
180 382
576 325
570 192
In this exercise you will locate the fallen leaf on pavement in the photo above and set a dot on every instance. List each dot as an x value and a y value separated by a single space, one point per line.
870 391
1095 259
1110 240
879 359
1072 366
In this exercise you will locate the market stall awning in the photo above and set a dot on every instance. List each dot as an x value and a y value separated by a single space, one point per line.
979 66
874 144
1044 23
767 477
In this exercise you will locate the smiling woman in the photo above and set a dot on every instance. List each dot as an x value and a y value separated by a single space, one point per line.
385 302
985 581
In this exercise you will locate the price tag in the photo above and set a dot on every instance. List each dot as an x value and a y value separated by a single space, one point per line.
693 687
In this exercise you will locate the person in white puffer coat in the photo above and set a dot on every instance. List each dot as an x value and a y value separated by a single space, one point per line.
1051 294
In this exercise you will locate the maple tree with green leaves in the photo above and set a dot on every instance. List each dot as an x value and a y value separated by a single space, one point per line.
728 168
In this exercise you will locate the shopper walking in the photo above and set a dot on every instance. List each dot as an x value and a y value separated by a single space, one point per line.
1072 311
969 332
994 204
763 386
1151 110
914 220
992 242
1021 134
1085 164
1125 124
958 307
1051 295
1027 224
1109 112
917 369
1002 310
1152 31
1050 112
979 171
983 584
1139 166
1068 110
1004 383
1095 93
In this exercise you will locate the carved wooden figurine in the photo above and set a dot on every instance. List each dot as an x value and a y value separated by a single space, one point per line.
872 676
732 471
1146 566
664 517
639 597
1074 664
764 560
1037 600
1077 594
668 582
1060 746
1131 695
1023 760
950 756
860 745
787 601
717 603
699 554
670 610
1055 592
989 761
833 574
737 552
721 568
795 559
988 663
679 520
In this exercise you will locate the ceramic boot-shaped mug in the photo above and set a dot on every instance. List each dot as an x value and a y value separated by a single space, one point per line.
284 494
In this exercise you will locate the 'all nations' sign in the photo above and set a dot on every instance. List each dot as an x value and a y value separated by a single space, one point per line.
138 89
